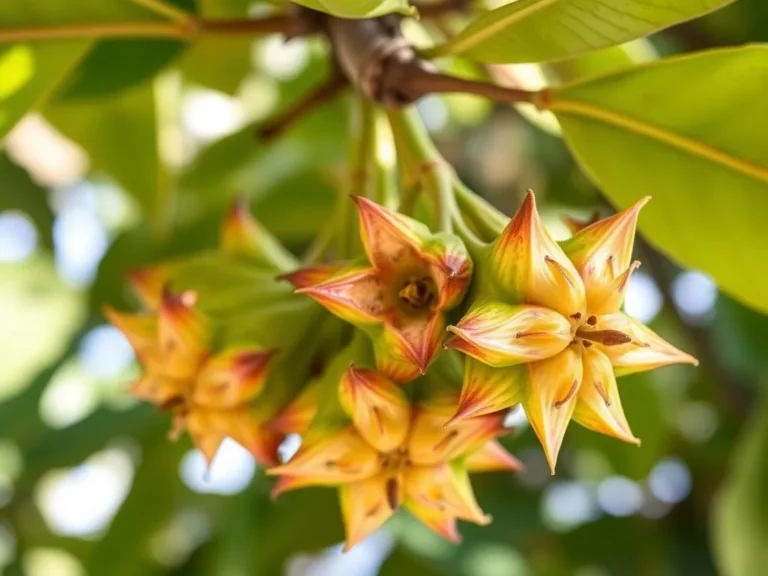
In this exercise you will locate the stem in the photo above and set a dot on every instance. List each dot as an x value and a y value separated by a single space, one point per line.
385 184
487 220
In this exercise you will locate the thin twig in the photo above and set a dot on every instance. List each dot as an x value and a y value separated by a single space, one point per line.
164 9
323 93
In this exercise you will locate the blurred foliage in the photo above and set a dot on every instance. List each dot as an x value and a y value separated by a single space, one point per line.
126 104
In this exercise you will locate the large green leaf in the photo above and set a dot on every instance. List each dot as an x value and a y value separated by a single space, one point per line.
740 519
541 30
358 8
20 192
119 133
692 132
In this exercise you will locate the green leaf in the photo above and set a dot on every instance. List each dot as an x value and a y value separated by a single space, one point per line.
692 132
21 193
119 134
201 63
541 30
359 8
739 524
28 74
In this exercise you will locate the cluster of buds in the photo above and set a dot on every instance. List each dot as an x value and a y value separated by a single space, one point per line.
537 323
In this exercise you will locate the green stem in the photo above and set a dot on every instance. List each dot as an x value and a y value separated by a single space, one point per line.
385 184
488 221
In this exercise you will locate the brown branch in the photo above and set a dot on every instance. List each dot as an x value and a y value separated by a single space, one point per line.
326 91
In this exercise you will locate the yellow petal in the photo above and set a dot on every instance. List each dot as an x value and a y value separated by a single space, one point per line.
183 335
311 275
553 386
356 296
532 268
391 240
415 339
598 406
232 377
139 329
431 442
446 488
365 506
155 388
205 431
502 335
450 268
244 428
336 459
378 407
492 457
434 518
148 283
486 390
602 252
646 350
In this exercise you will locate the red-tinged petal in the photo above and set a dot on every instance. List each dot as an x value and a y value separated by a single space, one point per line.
139 329
598 406
148 284
311 275
415 339
232 377
365 506
575 225
445 488
502 335
436 519
602 252
532 268
183 335
356 296
290 483
390 362
492 457
391 240
607 297
431 442
378 407
244 428
337 459
296 417
646 350
486 390
242 235
159 390
450 268
553 386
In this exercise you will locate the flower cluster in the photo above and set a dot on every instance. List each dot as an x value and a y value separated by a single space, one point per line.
236 351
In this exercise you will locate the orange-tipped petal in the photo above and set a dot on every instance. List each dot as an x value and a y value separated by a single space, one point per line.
434 518
337 459
602 252
390 362
366 505
148 284
575 225
356 296
311 275
243 427
553 386
450 268
446 488
391 240
205 429
414 339
139 329
607 297
532 268
242 235
378 407
646 350
431 442
502 335
492 457
486 390
232 377
183 334
598 406
296 417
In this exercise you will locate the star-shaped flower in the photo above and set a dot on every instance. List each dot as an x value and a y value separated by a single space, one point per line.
546 329
208 394
395 454
400 298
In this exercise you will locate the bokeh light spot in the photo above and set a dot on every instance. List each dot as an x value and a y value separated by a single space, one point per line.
230 472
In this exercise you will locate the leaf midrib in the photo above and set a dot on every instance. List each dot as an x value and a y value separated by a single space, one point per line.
662 135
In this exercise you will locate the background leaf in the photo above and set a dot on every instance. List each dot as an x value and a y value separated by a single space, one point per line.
541 30
358 8
642 132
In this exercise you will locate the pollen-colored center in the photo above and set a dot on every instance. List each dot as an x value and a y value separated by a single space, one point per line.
394 464
417 294
588 332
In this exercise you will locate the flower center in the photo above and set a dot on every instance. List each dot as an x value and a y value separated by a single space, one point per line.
394 464
587 333
416 294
